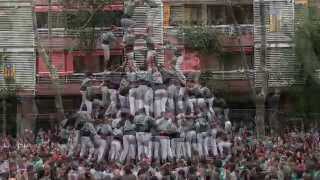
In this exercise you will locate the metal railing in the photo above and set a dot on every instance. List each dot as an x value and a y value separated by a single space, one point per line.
117 76
225 29
62 32
78 77
231 75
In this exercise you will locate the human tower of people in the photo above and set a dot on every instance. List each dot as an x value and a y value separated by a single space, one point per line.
153 117
160 121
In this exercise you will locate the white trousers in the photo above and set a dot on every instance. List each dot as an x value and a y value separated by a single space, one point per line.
161 97
213 145
192 104
171 105
86 145
202 141
115 150
139 104
143 140
151 61
105 98
178 148
181 106
102 147
154 146
132 101
166 153
190 144
148 102
129 148
106 53
86 102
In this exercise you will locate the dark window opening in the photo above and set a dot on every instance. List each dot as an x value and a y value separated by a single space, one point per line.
95 64
176 15
46 106
222 15
216 15
106 19
57 20
234 62
115 62
193 14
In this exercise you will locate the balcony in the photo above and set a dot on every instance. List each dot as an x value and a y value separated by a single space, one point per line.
230 40
231 75
62 39
76 78
206 1
55 2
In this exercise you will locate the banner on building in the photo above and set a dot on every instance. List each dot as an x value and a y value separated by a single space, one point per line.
275 20
166 16
9 72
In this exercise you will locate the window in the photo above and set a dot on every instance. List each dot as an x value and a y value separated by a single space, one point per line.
6 23
95 64
274 18
107 18
176 15
46 105
57 20
88 64
234 62
216 15
115 62
221 15
192 15
274 23
79 64
243 14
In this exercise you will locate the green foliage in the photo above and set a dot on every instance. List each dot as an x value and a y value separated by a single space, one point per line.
87 39
202 39
83 22
307 41
3 57
8 92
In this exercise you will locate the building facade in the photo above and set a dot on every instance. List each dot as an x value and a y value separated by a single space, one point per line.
237 20
18 64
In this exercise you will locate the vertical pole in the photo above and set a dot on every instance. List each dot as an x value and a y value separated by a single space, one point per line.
49 27
204 14
260 98
56 84
19 118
